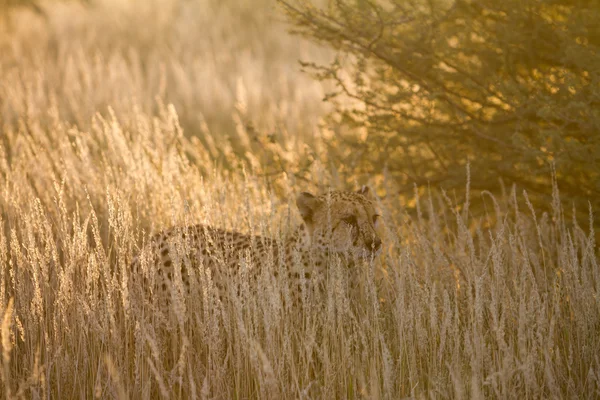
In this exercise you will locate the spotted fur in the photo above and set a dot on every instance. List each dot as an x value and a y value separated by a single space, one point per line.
336 223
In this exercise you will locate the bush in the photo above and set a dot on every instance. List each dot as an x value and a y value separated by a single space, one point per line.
510 87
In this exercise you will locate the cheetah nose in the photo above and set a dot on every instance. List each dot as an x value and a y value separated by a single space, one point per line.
374 244
377 244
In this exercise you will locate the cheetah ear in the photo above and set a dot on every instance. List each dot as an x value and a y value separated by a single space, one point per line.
365 191
307 203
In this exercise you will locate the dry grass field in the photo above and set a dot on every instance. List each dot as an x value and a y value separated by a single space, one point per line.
121 118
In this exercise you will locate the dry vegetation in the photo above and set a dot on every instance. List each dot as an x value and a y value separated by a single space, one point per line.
125 118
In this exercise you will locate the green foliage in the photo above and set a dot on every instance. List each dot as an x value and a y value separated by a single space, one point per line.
510 87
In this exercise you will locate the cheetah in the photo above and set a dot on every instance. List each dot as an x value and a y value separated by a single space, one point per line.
336 223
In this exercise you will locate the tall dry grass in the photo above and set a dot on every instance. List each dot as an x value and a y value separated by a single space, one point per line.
121 120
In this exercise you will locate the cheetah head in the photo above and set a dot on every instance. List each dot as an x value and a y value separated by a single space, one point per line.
342 222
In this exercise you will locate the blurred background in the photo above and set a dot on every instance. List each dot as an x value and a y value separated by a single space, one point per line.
414 91
225 66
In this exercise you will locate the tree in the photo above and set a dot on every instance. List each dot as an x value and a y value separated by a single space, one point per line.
512 87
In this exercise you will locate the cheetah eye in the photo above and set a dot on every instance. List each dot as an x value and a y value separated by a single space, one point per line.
351 220
376 218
